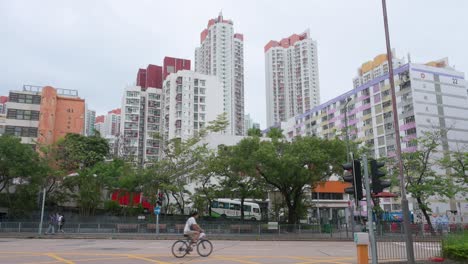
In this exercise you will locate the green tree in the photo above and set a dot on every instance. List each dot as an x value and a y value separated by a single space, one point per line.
17 162
422 181
22 169
291 167
219 124
275 133
87 185
206 176
237 169
254 132
457 164
76 151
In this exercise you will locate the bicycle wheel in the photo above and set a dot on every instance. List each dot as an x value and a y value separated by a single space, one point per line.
204 248
179 249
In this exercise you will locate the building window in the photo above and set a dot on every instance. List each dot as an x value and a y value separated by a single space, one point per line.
327 196
21 131
23 114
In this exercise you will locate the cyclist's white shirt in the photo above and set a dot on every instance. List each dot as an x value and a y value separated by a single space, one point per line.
191 221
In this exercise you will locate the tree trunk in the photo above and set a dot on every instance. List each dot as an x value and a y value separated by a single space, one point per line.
426 215
181 208
209 207
242 208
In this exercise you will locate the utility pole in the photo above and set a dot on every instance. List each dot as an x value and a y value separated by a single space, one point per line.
404 199
348 157
370 222
42 210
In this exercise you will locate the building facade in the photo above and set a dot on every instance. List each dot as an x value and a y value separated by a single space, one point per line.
89 121
150 77
99 123
44 114
431 97
221 53
3 101
140 124
291 77
191 100
173 65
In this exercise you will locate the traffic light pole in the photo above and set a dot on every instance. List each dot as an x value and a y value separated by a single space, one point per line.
370 221
404 200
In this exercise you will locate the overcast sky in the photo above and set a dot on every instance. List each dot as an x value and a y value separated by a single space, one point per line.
96 47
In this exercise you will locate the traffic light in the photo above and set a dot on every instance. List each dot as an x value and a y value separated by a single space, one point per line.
353 175
378 185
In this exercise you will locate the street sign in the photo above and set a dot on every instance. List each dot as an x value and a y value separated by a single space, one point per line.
157 210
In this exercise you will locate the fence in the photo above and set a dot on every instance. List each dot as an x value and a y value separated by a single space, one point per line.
221 229
394 247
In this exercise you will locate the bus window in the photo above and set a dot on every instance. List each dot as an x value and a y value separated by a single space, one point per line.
256 210
214 204
235 207
247 208
223 205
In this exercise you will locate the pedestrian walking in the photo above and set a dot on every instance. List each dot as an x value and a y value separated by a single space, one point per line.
52 221
61 222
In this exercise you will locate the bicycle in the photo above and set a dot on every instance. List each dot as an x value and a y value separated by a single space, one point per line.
181 247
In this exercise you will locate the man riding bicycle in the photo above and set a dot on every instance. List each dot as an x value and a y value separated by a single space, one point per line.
192 229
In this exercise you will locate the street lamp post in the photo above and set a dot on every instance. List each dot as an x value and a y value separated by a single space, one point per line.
404 199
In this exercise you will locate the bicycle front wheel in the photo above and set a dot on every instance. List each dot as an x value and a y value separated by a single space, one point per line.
204 248
179 249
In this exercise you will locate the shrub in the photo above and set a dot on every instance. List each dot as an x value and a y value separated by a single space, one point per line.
456 246
112 207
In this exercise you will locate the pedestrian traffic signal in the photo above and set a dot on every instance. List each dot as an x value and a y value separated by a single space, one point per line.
378 185
353 175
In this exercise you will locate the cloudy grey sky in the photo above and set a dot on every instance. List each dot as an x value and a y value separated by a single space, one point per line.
96 47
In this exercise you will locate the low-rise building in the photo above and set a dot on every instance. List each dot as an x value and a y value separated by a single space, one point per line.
44 114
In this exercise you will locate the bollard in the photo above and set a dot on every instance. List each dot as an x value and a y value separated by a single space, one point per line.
362 247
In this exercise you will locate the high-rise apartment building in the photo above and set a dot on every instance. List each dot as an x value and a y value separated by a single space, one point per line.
44 114
173 65
89 121
191 100
112 122
140 124
99 124
431 97
375 68
292 78
249 123
3 101
108 125
154 75
221 53
150 77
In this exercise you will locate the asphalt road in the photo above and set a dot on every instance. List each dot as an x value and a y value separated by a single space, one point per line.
70 251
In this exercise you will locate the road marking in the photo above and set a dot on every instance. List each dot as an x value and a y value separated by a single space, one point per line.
147 259
52 255
94 259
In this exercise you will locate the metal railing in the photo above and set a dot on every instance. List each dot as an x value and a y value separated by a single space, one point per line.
394 248
301 231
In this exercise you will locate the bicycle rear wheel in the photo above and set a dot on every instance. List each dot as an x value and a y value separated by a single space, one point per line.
179 249
204 248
